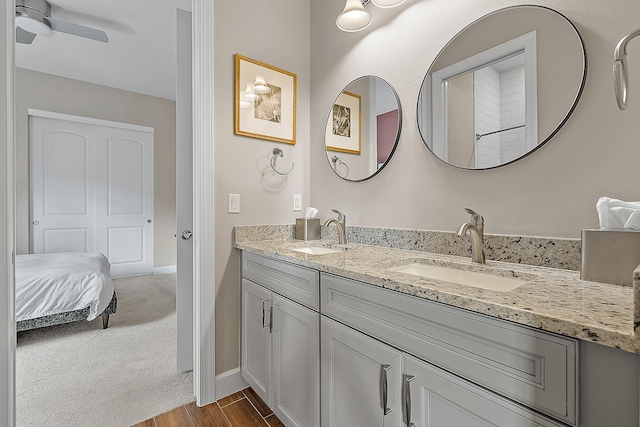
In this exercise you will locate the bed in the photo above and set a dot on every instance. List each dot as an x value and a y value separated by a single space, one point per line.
52 289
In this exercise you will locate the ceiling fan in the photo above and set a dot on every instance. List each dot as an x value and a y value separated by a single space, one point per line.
33 17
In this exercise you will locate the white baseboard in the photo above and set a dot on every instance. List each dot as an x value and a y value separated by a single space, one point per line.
229 382
169 269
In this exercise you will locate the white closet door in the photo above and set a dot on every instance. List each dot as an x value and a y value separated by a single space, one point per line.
62 194
92 191
124 200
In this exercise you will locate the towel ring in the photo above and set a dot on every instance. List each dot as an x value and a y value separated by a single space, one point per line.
278 153
336 160
620 69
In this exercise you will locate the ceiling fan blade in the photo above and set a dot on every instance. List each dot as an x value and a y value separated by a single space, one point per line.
23 36
78 30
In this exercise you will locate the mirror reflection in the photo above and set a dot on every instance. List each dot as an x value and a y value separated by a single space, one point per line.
502 87
363 128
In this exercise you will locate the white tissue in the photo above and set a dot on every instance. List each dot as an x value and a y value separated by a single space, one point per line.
311 212
614 213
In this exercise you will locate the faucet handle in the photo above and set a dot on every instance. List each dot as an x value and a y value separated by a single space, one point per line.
341 216
476 219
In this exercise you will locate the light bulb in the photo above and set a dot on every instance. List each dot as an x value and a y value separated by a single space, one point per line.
260 86
387 3
354 17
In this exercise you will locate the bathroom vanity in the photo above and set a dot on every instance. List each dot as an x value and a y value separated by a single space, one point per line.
347 339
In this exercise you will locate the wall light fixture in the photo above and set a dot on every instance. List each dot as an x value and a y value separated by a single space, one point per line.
354 17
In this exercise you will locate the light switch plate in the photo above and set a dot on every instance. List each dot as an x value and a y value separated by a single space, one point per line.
297 202
234 203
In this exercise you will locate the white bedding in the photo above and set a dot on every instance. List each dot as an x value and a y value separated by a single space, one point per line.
56 283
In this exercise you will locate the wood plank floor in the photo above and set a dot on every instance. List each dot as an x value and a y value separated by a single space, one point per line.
241 409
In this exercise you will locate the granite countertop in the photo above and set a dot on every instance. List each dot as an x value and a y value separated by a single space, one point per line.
551 299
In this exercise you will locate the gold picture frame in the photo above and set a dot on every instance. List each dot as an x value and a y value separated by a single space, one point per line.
343 131
270 115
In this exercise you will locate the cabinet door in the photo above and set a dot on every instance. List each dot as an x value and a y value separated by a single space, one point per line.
256 339
435 398
296 363
360 379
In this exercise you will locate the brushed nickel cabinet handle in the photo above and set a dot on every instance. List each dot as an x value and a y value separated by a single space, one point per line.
407 399
272 308
264 316
385 389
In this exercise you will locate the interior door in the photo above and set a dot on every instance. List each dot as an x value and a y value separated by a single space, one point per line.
62 197
124 200
184 194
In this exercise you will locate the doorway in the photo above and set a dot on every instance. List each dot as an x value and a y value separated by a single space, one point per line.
204 278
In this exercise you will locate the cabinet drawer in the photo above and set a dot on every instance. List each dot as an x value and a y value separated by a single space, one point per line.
532 367
292 281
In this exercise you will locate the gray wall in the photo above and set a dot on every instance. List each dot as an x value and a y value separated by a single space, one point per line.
279 36
61 95
551 193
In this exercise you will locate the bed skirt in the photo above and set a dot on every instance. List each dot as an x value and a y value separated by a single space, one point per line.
68 317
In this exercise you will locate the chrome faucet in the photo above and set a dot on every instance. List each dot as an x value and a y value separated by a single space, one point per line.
341 224
475 227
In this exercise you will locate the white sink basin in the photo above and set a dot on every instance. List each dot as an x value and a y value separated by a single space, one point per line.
462 277
315 250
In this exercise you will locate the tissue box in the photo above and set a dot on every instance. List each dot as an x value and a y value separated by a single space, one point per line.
308 228
610 255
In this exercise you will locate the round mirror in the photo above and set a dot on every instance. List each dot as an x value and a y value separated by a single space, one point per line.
502 87
363 128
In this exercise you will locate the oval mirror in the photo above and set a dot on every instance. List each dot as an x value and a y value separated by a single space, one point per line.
363 128
502 87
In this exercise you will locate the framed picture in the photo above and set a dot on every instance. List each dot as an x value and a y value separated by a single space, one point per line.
343 127
265 101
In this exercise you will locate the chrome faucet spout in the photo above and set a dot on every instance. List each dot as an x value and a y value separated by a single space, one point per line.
475 228
341 225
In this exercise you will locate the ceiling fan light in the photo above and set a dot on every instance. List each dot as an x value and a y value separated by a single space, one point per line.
33 25
387 3
249 95
354 17
260 86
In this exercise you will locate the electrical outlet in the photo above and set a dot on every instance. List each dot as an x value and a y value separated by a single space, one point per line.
234 203
297 202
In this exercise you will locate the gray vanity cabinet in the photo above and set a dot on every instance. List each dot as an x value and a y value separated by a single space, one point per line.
280 338
323 350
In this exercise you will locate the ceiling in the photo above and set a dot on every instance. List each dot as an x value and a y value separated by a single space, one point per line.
140 55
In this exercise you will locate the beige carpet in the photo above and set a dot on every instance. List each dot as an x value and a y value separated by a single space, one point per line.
81 375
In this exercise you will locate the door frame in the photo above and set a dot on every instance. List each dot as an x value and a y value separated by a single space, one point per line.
7 214
204 278
204 243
